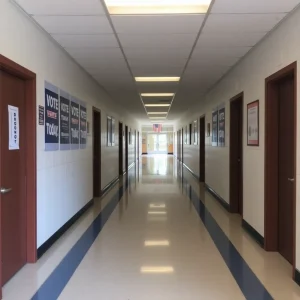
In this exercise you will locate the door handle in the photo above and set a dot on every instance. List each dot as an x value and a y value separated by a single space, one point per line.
5 191
291 179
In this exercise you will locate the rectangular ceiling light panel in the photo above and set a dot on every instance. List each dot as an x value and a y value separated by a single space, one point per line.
155 7
157 94
157 105
157 79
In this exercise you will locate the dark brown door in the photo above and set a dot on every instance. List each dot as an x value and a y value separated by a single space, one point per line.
97 153
138 145
236 155
181 145
126 148
13 179
202 149
286 164
120 149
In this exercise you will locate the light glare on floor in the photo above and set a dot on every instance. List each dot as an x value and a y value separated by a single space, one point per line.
157 94
157 79
157 212
157 243
157 270
157 205
157 105
150 7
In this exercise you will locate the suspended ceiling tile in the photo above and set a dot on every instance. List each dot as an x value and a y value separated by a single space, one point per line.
209 60
159 40
74 24
156 52
137 63
95 53
201 50
242 22
221 39
86 41
254 6
62 7
165 24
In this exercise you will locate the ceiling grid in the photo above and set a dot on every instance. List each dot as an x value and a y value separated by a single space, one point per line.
197 47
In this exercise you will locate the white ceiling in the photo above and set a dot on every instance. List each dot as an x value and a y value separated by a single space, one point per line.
201 50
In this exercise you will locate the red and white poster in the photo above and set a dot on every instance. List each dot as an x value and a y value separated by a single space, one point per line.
253 123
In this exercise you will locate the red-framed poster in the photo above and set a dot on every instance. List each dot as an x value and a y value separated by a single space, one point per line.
253 123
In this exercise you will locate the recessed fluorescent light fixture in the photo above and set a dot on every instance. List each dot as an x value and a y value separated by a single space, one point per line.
157 118
157 94
157 243
157 212
157 113
157 79
154 7
157 105
157 269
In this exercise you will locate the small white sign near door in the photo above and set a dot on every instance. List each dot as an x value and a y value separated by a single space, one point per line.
13 128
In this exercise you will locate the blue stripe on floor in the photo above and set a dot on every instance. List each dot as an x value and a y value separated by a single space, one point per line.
249 284
56 282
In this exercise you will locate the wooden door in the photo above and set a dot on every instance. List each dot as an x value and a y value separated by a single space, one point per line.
286 162
126 148
120 149
13 178
97 153
202 149
236 155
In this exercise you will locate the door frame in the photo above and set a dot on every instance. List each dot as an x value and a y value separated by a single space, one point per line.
97 111
233 205
271 159
29 78
201 163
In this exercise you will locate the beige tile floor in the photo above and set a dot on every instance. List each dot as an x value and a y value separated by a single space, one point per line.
155 246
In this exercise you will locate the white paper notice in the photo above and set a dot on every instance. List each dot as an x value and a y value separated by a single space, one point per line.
13 128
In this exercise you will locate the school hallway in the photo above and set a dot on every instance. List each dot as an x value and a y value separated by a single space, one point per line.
158 234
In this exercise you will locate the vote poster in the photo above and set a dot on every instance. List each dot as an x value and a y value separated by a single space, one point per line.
83 129
64 115
75 123
51 117
214 138
221 135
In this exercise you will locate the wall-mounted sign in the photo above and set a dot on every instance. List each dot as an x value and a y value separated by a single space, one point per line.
83 126
64 121
214 141
74 123
51 117
208 129
221 134
253 123
41 115
13 128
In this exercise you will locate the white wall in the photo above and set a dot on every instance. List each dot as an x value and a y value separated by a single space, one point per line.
64 178
278 50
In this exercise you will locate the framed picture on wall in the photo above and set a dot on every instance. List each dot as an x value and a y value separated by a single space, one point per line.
214 140
253 123
208 129
113 131
108 131
221 127
195 131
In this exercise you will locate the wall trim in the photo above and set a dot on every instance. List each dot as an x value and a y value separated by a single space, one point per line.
196 176
218 197
49 243
297 276
253 233
109 186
